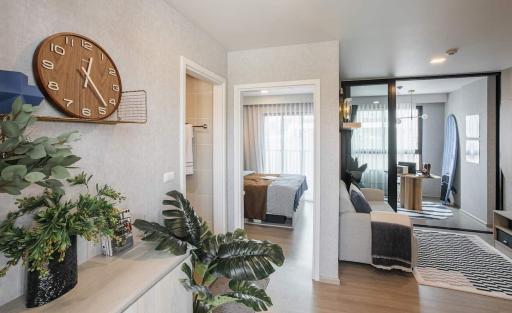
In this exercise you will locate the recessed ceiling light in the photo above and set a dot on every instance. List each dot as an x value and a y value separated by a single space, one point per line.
264 91
437 60
376 102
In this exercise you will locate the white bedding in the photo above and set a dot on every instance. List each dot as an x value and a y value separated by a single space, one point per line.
281 195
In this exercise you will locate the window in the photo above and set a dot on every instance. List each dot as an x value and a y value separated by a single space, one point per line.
409 134
288 143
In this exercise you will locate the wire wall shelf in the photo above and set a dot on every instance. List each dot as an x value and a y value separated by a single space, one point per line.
132 109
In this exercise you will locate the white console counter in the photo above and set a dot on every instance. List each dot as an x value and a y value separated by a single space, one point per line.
140 281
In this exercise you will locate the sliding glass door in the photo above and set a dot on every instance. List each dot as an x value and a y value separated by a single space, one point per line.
368 136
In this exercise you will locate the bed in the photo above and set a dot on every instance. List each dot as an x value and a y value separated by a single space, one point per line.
272 197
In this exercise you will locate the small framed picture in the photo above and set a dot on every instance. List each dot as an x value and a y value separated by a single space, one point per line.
473 151
473 126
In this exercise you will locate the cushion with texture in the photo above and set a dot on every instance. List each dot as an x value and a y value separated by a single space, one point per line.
359 202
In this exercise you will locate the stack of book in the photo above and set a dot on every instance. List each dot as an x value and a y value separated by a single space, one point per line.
123 237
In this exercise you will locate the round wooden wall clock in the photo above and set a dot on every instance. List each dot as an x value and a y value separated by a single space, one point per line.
78 76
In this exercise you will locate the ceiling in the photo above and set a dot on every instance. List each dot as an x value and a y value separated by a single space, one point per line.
280 91
420 87
391 38
434 85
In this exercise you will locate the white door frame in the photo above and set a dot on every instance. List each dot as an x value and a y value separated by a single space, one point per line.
219 137
238 158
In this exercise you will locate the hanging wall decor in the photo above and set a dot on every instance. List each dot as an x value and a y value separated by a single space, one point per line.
78 76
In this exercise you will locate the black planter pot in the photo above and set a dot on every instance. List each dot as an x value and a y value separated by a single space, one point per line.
61 278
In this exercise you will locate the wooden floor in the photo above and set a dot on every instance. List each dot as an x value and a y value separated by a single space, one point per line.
363 289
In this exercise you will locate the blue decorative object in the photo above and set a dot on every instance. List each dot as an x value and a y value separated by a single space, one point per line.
14 85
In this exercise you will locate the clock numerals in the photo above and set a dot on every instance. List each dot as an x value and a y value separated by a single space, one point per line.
102 111
86 112
112 72
70 41
112 101
48 64
68 102
86 45
57 49
53 86
115 87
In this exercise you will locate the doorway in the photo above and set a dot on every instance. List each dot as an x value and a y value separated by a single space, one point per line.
276 154
203 147
408 143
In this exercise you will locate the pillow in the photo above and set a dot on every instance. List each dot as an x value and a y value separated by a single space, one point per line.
359 202
354 187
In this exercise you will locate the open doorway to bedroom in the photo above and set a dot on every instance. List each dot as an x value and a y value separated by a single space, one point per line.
276 154
278 135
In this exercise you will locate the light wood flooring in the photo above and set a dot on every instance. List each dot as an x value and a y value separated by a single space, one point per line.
363 289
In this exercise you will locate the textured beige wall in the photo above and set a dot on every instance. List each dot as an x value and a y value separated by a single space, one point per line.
199 111
145 39
505 131
289 63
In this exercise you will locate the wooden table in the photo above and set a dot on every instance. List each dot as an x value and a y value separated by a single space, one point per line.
411 190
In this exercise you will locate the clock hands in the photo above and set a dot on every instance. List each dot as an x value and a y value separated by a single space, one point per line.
88 78
88 72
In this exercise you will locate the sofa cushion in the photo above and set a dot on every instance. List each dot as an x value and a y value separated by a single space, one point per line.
359 202
345 203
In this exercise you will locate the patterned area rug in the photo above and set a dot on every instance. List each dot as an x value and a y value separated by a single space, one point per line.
462 262
429 210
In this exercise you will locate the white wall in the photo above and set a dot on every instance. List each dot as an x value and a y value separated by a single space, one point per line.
290 63
475 183
145 39
505 131
432 148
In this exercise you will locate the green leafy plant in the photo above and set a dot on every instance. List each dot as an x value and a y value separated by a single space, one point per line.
232 256
355 170
23 161
55 220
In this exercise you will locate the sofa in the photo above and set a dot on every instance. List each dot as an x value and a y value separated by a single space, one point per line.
355 236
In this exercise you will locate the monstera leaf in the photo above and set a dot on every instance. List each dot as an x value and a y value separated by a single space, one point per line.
156 232
249 295
183 222
247 259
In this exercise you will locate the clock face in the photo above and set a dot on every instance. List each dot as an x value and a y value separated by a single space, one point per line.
78 76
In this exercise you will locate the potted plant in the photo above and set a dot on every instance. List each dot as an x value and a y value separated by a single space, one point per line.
47 244
231 256
355 170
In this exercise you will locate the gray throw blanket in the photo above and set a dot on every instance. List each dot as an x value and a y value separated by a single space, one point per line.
391 241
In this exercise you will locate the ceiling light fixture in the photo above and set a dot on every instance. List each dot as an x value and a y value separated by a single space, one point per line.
411 116
264 91
437 60
376 102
